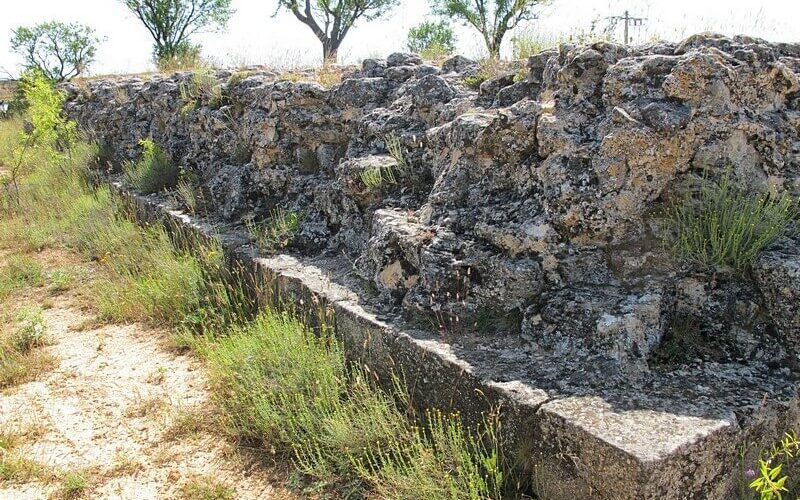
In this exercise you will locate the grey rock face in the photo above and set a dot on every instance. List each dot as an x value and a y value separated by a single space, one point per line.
777 273
526 210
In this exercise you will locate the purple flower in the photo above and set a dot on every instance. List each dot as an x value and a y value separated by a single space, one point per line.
750 473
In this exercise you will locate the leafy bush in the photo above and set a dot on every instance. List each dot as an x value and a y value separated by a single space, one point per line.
724 225
155 171
431 40
771 480
488 68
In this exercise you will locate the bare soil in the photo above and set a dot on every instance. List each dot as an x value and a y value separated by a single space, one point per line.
126 411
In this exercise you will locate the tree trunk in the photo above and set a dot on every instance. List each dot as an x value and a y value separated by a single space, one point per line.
494 44
330 50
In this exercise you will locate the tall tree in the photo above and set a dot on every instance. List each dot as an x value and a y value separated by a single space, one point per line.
59 51
492 18
172 22
431 39
330 20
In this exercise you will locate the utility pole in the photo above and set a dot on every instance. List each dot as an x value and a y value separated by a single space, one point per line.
629 21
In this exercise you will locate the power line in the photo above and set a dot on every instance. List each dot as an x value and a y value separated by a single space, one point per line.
629 21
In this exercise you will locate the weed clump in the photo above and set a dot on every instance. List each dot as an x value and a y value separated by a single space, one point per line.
203 88
276 232
154 172
724 225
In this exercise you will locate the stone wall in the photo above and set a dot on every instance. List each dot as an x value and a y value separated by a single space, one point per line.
526 206
525 220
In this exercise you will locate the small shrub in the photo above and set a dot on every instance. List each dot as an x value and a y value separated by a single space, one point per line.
17 368
528 43
20 271
187 194
73 485
488 68
396 151
277 381
375 177
31 333
441 462
771 480
726 226
155 171
328 75
277 232
60 280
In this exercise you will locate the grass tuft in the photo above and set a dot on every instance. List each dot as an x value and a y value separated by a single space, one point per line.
205 488
154 172
276 232
726 226
73 485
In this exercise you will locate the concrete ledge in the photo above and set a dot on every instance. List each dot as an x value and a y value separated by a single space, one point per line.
661 442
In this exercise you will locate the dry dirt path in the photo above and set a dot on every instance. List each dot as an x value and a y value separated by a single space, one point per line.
126 412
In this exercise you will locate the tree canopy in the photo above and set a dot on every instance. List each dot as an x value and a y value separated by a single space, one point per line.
330 20
59 51
431 38
492 18
171 23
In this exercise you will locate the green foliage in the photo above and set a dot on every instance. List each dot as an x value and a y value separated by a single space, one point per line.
527 43
19 271
154 172
205 488
73 485
173 22
59 51
493 19
186 56
771 480
277 232
431 40
724 225
443 461
279 382
375 177
330 22
487 68
395 147
203 88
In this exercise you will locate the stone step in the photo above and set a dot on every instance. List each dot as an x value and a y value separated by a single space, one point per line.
576 433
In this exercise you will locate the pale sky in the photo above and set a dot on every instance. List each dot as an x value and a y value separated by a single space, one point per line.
253 36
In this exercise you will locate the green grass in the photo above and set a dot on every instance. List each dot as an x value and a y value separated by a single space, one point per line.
154 172
276 232
73 485
727 226
20 271
205 488
279 383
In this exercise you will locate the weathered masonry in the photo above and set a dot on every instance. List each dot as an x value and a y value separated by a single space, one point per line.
513 252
